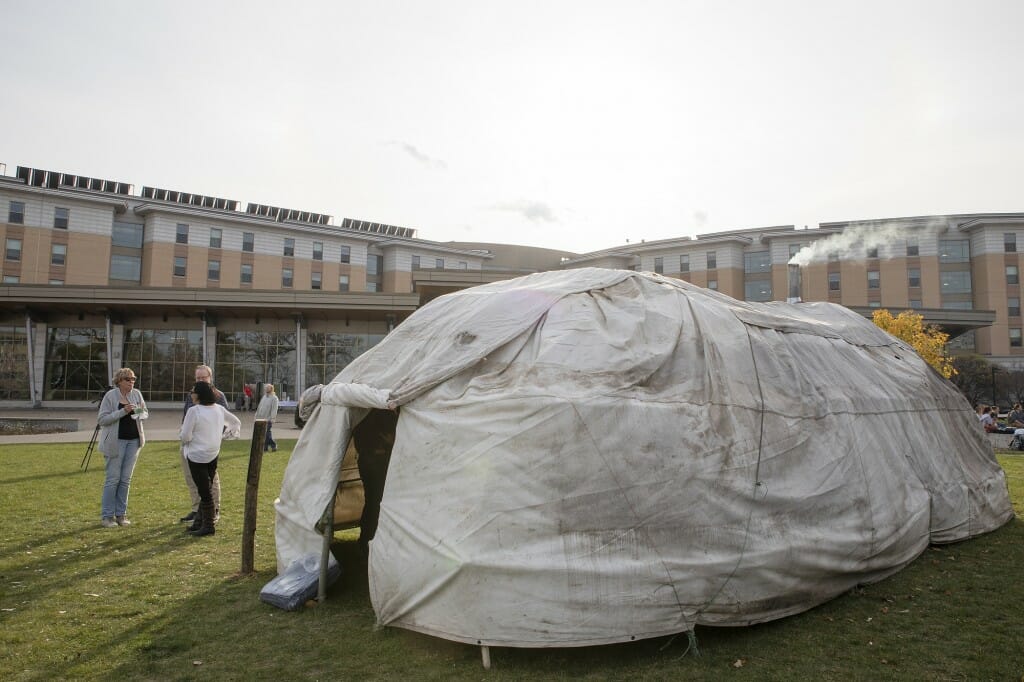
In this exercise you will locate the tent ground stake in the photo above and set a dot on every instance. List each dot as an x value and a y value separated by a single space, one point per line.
485 653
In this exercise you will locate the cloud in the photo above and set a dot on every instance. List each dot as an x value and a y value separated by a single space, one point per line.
416 154
534 211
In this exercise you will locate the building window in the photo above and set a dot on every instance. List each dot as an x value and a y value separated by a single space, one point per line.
246 277
374 264
873 279
684 264
713 284
343 283
463 265
915 303
164 359
16 212
833 256
328 353
759 261
833 281
956 282
957 305
914 277
286 278
758 290
439 263
126 234
248 241
128 268
874 304
415 262
1011 275
76 363
794 249
954 251
14 384
58 254
215 237
11 279
659 264
57 282
318 250
873 252
60 218
315 281
180 265
712 260
912 247
1010 242
13 251
346 254
289 246
181 234
213 270
371 287
1013 307
1015 338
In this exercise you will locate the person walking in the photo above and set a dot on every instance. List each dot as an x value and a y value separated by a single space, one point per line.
268 410
122 411
203 373
201 433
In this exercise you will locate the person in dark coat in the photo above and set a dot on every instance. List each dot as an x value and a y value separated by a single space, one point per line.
374 439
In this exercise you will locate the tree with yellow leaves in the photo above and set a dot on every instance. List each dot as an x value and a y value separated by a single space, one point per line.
926 339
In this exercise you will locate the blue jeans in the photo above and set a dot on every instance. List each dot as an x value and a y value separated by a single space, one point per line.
119 478
269 442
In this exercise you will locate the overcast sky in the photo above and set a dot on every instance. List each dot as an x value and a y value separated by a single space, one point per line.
569 125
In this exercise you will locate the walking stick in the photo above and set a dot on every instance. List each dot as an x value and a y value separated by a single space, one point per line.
88 451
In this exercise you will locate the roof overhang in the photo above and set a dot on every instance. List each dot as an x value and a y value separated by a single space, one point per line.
952 322
116 300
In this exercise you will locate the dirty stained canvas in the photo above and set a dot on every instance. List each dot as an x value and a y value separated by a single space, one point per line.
593 456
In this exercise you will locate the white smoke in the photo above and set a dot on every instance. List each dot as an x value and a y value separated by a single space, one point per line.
856 239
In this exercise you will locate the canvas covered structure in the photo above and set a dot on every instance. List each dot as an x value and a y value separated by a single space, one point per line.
594 456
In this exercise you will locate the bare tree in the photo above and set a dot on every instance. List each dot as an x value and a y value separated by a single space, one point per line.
1011 382
973 377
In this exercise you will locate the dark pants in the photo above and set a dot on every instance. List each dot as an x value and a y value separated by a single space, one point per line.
269 442
202 474
373 469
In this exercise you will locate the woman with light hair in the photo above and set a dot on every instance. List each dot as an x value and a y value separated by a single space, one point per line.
268 410
122 411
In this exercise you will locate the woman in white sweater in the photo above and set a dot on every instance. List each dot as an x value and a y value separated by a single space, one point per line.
121 437
201 433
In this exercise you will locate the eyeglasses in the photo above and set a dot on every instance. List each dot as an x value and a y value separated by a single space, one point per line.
129 378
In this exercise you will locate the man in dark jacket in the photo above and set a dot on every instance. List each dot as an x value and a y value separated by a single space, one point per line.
374 439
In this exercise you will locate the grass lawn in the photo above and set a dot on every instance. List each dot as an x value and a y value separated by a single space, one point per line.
148 602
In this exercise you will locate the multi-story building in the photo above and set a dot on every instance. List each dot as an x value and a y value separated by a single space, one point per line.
97 276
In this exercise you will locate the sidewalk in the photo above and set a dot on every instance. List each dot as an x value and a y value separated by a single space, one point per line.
163 424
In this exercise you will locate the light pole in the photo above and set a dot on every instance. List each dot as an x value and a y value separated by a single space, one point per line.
994 370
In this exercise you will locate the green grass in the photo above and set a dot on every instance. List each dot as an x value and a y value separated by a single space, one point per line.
149 602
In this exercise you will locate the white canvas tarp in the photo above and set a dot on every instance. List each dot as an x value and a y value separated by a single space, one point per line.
593 456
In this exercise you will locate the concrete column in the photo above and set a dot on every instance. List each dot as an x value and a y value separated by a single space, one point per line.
210 345
115 346
300 357
35 338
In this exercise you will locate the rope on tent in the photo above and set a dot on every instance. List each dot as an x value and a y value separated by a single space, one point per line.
758 487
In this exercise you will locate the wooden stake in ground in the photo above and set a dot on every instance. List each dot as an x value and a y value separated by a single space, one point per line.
252 489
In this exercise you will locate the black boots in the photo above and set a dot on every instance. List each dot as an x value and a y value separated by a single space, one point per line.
204 521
